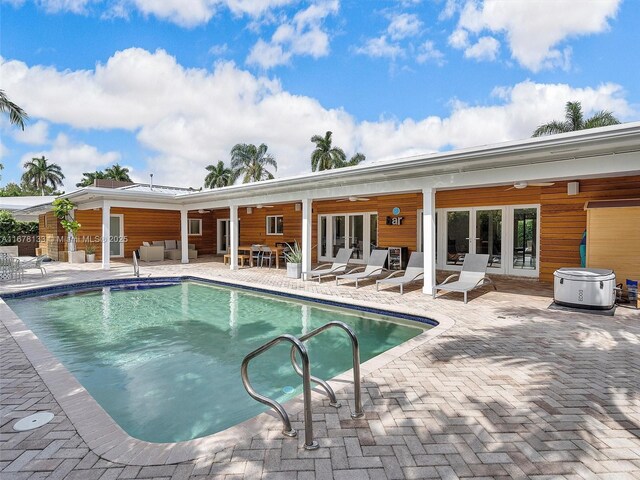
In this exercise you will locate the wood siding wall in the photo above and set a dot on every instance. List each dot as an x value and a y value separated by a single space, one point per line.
52 239
563 218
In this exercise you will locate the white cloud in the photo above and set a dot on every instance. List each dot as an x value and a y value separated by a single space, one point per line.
428 52
534 28
404 25
380 47
459 39
55 6
186 13
303 35
219 50
74 158
486 48
188 118
34 133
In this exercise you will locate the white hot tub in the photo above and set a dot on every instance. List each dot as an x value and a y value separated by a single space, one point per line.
593 288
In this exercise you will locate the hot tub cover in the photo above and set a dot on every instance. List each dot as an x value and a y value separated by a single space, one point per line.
585 274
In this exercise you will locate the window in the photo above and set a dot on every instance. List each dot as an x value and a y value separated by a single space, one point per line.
195 226
275 225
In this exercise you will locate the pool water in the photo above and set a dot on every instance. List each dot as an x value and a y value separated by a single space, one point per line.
164 362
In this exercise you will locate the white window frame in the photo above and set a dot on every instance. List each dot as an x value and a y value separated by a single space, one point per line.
366 240
199 220
275 224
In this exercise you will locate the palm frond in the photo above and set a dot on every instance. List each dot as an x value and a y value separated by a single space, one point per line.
601 119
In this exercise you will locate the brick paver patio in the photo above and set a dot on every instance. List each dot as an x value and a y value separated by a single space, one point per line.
513 390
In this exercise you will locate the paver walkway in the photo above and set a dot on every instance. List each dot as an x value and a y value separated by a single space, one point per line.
513 390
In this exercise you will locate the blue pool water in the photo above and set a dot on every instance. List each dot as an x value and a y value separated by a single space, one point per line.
164 362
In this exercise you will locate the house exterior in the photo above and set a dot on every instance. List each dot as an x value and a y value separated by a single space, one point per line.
484 199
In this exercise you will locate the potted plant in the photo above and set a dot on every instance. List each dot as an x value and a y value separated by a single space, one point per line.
91 252
294 260
62 209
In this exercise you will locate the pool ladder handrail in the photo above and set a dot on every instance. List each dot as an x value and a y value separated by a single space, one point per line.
307 378
136 265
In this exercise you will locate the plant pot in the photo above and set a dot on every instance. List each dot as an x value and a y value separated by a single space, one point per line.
294 270
91 257
76 257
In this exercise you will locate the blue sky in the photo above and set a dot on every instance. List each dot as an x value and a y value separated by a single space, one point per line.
169 87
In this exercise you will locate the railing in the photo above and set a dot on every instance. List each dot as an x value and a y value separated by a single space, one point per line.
297 345
136 265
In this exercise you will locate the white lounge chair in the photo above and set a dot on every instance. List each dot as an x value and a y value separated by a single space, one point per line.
34 264
472 276
414 270
374 267
328 270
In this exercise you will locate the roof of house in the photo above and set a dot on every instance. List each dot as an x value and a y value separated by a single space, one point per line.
545 152
20 203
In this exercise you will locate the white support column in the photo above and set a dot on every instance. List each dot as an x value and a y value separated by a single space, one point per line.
184 234
106 234
233 236
429 232
307 241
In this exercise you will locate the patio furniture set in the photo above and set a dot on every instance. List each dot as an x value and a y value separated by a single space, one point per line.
13 268
259 255
165 250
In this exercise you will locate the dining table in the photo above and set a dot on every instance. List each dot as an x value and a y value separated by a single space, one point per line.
277 251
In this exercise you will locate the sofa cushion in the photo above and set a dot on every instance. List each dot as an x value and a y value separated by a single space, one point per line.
170 244
158 243
145 244
179 243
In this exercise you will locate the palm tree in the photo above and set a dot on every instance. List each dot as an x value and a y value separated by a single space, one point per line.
116 172
219 176
39 174
88 178
357 159
17 115
325 156
574 120
251 162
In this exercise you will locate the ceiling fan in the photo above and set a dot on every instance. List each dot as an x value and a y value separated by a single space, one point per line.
202 210
260 205
353 199
521 185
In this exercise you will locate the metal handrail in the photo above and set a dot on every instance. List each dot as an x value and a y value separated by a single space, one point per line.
136 265
355 353
333 401
309 443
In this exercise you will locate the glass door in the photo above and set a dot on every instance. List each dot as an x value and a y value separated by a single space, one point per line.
223 235
488 239
458 228
524 241
116 244
356 236
339 224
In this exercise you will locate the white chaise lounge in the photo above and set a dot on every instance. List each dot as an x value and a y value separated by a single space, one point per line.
472 276
338 267
413 272
373 269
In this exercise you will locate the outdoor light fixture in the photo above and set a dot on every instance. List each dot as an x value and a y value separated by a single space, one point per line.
573 188
249 210
297 207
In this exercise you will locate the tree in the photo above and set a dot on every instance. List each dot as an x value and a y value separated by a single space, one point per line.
251 162
116 172
88 178
574 120
325 156
17 115
219 176
39 174
357 159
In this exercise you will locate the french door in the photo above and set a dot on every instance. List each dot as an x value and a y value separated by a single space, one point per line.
358 231
508 234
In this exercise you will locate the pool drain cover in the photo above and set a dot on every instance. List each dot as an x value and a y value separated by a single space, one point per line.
288 389
33 421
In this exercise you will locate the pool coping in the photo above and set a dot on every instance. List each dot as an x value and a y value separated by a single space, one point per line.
109 441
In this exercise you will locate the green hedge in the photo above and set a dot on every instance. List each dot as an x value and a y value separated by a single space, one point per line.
10 228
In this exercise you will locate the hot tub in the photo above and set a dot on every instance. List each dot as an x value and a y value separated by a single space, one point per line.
592 288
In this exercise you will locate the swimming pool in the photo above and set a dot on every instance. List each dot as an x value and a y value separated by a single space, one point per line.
164 362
